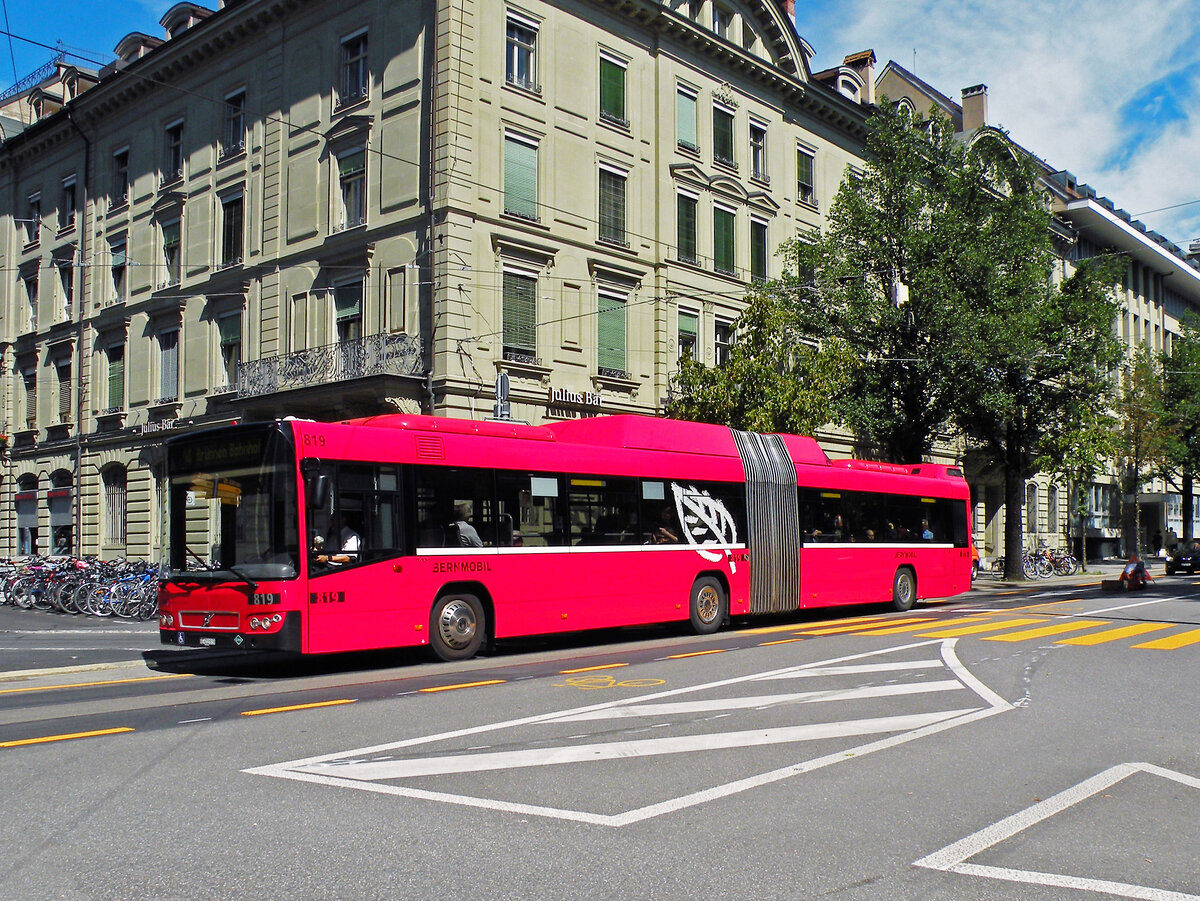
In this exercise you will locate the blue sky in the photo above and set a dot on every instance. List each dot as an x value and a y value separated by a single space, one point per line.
1105 88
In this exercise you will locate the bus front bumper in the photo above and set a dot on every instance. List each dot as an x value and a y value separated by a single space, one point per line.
286 639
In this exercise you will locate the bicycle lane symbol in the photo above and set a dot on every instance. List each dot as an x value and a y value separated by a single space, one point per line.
594 683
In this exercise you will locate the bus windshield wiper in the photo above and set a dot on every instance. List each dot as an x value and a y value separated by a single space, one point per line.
209 567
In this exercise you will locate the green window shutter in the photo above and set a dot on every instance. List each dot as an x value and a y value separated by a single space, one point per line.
612 90
723 135
689 325
612 207
686 225
685 120
352 164
116 377
520 179
170 233
230 330
804 176
723 247
611 337
758 251
520 313
347 301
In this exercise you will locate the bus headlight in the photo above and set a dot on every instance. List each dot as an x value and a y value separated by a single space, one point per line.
254 622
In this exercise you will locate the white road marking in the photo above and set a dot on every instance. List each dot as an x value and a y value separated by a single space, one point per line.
764 702
362 764
953 858
1130 606
857 668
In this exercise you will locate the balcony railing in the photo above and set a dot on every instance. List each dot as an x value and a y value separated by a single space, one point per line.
333 363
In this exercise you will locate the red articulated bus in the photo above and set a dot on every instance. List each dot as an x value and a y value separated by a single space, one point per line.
406 530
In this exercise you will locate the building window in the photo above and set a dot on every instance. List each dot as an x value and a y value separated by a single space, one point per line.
355 77
805 185
1031 508
115 487
689 330
352 187
33 219
232 228
168 369
520 177
1052 510
29 377
685 118
721 21
229 332
612 90
67 205
234 138
66 277
117 267
612 207
610 323
520 65
758 250
63 370
347 302
116 378
685 205
758 152
723 137
520 316
722 340
723 241
120 181
171 253
27 517
173 153
31 295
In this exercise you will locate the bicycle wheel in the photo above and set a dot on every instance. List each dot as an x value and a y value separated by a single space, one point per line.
1029 567
1045 569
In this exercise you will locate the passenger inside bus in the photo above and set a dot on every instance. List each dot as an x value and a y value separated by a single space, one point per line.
465 533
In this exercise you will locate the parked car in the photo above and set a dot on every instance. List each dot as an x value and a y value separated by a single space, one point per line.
1184 559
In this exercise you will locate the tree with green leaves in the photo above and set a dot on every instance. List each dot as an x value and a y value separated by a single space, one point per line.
1142 436
1181 410
776 379
884 281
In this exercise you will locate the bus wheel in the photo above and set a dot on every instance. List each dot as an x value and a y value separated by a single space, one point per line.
708 605
456 627
904 589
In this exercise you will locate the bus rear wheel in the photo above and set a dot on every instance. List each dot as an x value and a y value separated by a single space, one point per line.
457 626
708 605
904 590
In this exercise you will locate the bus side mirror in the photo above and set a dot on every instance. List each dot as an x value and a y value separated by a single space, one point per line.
318 492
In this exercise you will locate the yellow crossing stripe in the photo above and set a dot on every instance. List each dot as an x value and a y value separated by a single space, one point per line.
1171 642
864 624
1116 634
927 624
1057 629
791 627
978 627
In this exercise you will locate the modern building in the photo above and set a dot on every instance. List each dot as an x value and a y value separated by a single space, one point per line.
327 211
1161 285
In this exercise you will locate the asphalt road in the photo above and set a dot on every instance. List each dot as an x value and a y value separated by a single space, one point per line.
1019 743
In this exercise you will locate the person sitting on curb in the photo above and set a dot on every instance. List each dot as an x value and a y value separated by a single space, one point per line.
1134 574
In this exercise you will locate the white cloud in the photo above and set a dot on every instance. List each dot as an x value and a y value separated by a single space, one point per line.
1059 74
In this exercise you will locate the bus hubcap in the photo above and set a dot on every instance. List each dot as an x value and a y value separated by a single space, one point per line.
457 624
707 604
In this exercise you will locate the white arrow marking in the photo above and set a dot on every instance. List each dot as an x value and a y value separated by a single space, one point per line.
801 697
507 760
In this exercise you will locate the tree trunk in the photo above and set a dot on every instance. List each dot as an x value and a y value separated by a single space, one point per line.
1014 506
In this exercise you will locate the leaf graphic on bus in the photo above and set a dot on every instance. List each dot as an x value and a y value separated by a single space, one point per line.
705 521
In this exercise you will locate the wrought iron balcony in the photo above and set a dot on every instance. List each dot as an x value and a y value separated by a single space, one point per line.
331 364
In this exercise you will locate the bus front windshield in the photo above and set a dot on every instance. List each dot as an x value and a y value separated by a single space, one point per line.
232 505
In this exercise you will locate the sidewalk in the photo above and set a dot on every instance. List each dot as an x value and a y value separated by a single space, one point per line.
1096 572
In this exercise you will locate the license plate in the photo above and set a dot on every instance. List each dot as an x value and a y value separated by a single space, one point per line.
208 642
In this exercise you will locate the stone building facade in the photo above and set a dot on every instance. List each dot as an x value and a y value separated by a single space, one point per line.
291 208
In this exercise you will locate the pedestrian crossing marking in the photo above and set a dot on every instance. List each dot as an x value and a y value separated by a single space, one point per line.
1171 642
964 621
1057 629
1116 634
979 627
833 630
